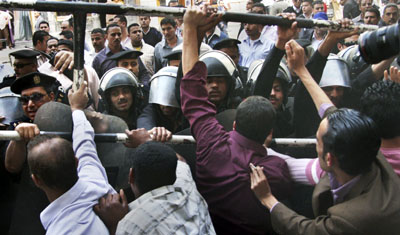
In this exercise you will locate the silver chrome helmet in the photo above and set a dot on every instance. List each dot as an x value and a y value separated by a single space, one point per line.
336 73
162 87
120 77
219 64
283 74
10 107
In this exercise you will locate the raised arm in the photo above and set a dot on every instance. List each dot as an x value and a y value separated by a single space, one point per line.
295 59
270 66
89 166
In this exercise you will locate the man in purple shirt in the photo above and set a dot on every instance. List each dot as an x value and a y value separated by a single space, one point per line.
223 158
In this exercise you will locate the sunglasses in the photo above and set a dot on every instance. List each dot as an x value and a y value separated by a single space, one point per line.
36 97
20 66
347 44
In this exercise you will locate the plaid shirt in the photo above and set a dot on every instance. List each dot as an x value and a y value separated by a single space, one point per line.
172 209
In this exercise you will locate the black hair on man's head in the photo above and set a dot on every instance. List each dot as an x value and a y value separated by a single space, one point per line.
255 117
52 159
112 26
39 36
132 25
154 166
68 34
98 30
381 102
168 20
353 139
121 18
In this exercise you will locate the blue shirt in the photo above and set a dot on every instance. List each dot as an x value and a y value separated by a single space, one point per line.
72 212
101 63
254 50
214 38
160 50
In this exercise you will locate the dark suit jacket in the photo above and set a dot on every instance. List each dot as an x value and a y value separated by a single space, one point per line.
371 207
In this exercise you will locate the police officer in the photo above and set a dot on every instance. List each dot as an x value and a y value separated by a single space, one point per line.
121 95
163 109
223 84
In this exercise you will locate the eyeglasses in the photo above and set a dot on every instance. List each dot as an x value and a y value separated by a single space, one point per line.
20 66
351 43
36 97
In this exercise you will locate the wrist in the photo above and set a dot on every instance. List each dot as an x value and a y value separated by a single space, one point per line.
269 201
280 44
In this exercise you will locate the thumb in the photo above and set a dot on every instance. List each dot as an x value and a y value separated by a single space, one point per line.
96 208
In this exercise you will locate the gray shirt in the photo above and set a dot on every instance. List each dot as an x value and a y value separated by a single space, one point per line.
160 50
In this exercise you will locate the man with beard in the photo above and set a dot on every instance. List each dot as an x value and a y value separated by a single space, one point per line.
121 95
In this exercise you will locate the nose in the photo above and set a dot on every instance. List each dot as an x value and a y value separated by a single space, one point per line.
272 92
31 104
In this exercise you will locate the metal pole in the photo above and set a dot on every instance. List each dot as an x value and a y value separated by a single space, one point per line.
122 138
79 48
170 11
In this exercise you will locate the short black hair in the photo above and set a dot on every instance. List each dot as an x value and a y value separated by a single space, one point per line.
352 137
112 26
68 34
381 102
258 4
53 38
56 166
98 30
121 18
375 11
309 1
389 5
44 22
68 43
168 20
39 36
132 25
154 166
317 2
255 117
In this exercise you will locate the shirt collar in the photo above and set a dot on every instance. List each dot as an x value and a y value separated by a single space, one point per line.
339 192
248 143
108 50
165 45
47 216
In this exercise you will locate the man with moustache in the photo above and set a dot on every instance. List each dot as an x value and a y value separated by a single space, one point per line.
35 89
101 62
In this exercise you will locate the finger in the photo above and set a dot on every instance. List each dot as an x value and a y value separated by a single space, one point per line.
252 183
31 132
169 135
36 130
102 201
96 209
385 75
163 134
123 198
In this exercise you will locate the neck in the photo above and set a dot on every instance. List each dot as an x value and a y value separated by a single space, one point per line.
122 114
137 44
255 37
97 51
145 30
172 42
52 195
391 143
115 49
341 176
124 35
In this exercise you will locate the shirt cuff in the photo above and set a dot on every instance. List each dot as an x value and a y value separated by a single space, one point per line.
323 108
276 203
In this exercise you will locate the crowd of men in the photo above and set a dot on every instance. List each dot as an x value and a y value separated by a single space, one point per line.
233 93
